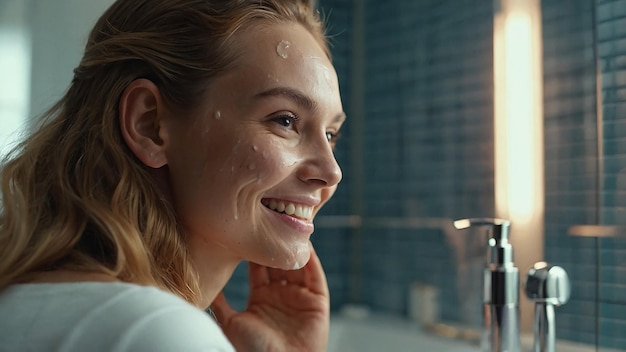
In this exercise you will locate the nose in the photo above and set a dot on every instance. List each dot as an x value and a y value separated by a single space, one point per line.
321 167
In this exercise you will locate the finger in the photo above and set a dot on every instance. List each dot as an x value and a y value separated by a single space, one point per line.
297 277
284 277
222 310
316 278
257 275
276 275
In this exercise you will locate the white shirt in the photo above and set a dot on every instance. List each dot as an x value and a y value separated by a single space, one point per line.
103 316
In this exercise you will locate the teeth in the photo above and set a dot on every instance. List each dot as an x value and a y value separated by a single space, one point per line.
297 210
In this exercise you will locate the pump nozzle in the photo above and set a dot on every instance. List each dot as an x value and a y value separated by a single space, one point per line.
500 251
500 226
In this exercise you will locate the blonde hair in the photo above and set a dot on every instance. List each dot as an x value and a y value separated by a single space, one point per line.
73 195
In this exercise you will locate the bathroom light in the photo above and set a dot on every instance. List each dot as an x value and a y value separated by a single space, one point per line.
518 115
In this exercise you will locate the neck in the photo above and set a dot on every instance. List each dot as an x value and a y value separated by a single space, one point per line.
214 271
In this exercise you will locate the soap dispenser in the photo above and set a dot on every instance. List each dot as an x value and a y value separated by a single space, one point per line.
500 287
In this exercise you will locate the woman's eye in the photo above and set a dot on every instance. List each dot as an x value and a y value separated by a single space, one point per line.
287 121
333 137
330 136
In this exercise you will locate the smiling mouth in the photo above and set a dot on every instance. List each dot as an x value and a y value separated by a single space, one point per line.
295 210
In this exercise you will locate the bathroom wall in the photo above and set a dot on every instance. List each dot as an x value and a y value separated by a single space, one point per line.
585 142
59 31
571 163
611 54
15 70
40 44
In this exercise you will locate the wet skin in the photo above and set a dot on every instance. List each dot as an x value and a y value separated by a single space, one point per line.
263 141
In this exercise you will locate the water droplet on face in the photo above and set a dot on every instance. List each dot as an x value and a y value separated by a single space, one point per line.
236 216
289 162
218 115
327 76
282 48
255 148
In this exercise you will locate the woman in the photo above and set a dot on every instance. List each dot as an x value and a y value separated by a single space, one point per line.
195 134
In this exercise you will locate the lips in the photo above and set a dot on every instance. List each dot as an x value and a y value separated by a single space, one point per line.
296 210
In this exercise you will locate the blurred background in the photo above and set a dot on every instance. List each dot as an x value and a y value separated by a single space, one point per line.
456 109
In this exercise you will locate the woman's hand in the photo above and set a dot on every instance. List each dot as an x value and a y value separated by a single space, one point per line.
288 310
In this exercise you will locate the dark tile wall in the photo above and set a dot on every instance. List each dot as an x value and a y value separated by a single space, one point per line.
584 178
571 157
429 142
611 50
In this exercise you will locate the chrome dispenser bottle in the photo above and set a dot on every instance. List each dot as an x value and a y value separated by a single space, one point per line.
500 288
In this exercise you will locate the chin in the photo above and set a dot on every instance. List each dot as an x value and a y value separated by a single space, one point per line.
296 259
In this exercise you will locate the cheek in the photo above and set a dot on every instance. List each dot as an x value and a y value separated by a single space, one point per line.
267 162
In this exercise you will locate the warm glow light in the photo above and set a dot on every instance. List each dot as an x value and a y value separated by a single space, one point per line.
518 120
519 115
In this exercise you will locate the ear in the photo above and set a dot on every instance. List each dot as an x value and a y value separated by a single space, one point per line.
140 112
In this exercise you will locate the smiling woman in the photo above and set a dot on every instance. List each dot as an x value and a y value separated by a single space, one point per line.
195 135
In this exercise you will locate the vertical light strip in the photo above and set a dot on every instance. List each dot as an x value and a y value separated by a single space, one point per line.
518 115
518 129
520 124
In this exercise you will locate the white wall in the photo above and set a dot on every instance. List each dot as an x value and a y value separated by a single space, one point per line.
41 42
14 71
59 32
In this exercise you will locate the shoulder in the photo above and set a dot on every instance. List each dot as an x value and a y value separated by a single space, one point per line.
160 321
92 316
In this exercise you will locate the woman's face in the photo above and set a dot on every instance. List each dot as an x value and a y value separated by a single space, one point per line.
249 173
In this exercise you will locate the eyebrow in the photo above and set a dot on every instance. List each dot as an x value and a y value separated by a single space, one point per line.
299 98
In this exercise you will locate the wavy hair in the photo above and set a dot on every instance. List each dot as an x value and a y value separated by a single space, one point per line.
74 196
